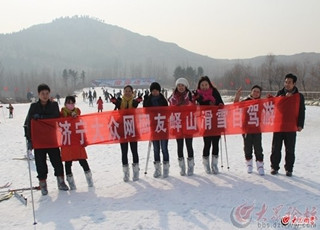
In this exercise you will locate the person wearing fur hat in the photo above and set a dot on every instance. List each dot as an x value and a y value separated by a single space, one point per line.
156 98
207 94
252 140
182 96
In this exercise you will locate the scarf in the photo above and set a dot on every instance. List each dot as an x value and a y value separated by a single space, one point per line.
126 102
207 95
65 112
179 98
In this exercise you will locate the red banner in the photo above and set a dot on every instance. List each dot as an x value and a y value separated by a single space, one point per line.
155 123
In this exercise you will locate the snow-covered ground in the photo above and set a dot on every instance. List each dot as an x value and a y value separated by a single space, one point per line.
179 202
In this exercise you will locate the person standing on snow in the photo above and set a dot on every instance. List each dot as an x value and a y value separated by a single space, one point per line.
207 94
128 102
183 97
157 99
76 152
44 109
252 140
100 104
10 107
288 138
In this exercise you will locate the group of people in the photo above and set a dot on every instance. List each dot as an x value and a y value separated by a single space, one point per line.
205 94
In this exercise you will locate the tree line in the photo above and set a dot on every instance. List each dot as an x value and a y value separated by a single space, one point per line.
270 75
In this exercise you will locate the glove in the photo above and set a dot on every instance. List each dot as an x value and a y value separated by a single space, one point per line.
113 99
29 145
195 95
146 94
139 98
37 116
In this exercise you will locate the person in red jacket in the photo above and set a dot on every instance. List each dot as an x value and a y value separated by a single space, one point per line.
100 104
75 152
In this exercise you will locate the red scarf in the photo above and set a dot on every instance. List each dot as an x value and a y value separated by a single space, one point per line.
207 95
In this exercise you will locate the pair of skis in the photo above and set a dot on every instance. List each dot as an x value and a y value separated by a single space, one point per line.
5 195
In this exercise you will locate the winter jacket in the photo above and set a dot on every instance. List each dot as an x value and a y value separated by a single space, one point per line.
135 103
150 101
37 111
178 98
302 108
75 152
216 95
100 104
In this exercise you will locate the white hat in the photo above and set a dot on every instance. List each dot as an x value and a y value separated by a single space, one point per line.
182 81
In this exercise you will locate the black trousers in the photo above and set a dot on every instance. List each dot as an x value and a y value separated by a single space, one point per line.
40 156
134 150
189 147
253 141
83 162
208 141
289 140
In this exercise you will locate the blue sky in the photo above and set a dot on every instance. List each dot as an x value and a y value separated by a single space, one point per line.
228 29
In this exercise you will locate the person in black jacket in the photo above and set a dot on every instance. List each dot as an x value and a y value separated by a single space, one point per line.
289 138
43 109
252 140
207 94
157 99
128 102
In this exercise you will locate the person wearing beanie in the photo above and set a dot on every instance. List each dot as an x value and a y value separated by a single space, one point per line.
252 140
182 96
156 98
182 81
207 94
155 85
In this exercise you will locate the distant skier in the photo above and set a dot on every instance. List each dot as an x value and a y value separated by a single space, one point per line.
100 104
10 110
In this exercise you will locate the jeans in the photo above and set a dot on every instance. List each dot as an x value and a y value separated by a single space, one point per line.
164 149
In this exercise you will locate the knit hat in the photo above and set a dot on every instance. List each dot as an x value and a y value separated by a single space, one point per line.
182 81
155 85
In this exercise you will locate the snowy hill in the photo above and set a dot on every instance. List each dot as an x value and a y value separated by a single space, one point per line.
224 201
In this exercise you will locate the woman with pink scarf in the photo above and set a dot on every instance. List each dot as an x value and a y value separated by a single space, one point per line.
207 94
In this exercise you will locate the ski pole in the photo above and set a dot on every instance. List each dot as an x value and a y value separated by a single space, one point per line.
221 153
225 144
148 156
31 188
